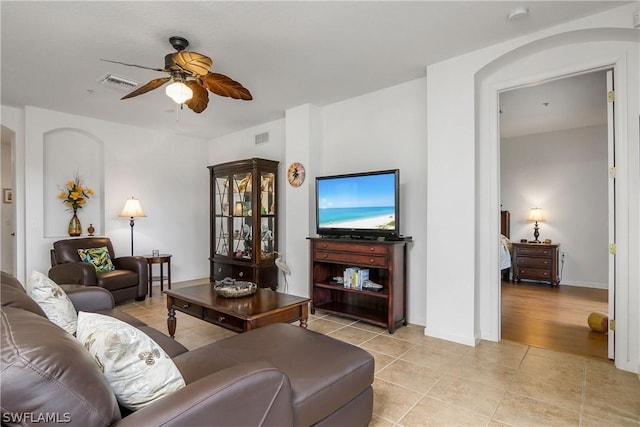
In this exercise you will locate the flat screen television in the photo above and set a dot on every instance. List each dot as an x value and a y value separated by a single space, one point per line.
360 205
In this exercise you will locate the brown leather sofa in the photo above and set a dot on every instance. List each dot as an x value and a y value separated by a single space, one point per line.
280 375
128 281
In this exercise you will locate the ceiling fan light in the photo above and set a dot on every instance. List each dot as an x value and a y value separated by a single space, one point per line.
179 92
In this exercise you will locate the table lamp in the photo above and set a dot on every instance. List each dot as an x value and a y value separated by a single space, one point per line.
132 209
537 215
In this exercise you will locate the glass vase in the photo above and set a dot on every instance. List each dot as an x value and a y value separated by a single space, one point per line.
75 228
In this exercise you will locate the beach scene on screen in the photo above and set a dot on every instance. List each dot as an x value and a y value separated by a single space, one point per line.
361 202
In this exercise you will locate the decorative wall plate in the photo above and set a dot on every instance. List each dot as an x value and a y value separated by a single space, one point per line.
295 174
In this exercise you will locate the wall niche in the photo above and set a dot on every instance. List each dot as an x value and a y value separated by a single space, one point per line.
68 152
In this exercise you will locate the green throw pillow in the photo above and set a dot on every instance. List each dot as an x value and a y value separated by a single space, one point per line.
99 257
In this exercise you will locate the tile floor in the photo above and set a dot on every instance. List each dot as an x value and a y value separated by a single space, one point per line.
423 381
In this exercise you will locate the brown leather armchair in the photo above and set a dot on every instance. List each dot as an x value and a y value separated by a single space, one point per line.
129 280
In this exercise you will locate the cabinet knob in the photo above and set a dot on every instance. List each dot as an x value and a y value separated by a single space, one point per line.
372 249
324 255
221 318
241 274
371 260
219 269
324 246
187 305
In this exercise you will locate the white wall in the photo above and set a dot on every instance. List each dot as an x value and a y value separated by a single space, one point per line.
566 174
380 130
387 130
166 172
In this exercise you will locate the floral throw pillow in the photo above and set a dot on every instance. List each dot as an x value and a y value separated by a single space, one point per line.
53 301
136 367
99 257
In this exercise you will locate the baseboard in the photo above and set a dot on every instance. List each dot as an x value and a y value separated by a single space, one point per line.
466 340
586 284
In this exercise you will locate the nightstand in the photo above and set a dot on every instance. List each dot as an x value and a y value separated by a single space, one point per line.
535 261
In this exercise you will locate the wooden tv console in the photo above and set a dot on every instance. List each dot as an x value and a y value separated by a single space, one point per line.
386 262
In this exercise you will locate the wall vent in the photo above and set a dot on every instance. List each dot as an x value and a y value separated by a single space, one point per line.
262 138
118 82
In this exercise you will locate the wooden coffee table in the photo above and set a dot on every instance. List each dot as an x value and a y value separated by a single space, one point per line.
236 314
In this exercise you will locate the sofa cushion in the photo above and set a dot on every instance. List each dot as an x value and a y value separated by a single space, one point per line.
18 298
99 257
47 371
116 279
324 374
53 301
137 368
8 280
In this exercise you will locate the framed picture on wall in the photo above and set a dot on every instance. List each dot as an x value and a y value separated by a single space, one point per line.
7 195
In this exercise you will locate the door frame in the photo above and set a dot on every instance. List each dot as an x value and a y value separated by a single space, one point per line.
548 58
611 197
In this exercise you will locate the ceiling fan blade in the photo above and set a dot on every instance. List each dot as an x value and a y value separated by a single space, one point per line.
133 65
225 86
200 99
153 84
194 62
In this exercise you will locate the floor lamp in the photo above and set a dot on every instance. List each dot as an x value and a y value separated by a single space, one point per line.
132 209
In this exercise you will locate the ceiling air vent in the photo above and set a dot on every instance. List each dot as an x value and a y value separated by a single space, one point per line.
118 82
262 138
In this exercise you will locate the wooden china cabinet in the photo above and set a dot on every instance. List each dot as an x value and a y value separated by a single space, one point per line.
244 221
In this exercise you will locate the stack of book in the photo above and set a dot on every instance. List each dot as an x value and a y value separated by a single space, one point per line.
354 277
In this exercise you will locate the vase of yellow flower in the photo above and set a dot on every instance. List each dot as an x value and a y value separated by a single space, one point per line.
74 196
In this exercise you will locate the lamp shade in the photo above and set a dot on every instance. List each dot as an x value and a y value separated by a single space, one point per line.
536 214
132 208
179 92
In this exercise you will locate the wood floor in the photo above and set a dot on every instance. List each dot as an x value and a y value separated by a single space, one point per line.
554 318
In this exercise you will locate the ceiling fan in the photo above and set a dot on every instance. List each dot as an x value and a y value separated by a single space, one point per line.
190 77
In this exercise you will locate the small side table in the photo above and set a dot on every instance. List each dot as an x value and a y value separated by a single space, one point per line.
160 259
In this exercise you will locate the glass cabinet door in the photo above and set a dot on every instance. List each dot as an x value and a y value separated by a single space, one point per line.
242 212
267 202
221 217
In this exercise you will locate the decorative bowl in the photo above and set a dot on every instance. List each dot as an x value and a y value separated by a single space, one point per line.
230 288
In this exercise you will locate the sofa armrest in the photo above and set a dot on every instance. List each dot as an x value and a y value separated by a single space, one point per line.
90 299
74 273
248 394
131 263
139 265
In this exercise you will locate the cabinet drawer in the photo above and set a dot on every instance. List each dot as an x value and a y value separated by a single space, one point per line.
351 247
347 258
534 262
223 319
534 273
242 273
188 307
534 251
220 271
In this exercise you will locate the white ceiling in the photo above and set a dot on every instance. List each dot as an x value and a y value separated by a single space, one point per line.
286 53
566 103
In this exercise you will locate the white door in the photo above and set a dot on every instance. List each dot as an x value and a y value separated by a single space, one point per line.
8 215
612 206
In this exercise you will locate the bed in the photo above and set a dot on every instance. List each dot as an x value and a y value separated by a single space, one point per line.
505 244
